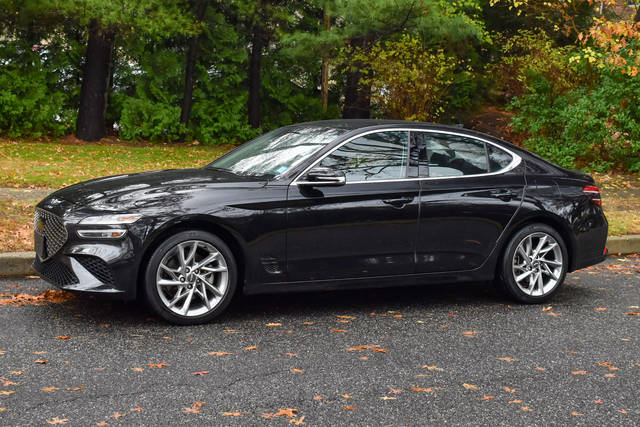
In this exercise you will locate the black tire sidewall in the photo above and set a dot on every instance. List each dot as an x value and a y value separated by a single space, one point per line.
506 275
151 291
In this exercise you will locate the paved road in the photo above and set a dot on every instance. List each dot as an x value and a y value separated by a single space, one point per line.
454 355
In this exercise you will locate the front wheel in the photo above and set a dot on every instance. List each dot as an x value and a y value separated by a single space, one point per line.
190 278
534 264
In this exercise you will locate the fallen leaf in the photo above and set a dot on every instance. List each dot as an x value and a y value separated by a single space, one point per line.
633 313
196 408
398 316
75 388
609 375
485 397
395 390
540 368
470 334
470 386
16 372
138 409
273 324
42 362
63 337
506 359
49 389
307 323
318 397
6 383
57 420
6 392
547 308
230 331
297 421
623 411
349 408
577 414
551 313
289 412
339 331
419 389
219 353
231 414
158 365
362 347
342 316
515 401
253 347
117 415
297 371
600 308
509 389
526 409
431 367
388 398
291 354
572 352
39 352
200 373
598 401
579 372
346 396
380 350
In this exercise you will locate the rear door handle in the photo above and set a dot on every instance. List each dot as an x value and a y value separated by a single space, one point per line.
398 203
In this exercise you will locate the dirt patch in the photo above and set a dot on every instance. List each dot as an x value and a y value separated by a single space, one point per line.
51 296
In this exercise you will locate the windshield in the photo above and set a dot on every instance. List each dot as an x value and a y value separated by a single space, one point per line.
277 151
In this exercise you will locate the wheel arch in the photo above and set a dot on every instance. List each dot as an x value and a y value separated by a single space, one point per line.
558 224
202 223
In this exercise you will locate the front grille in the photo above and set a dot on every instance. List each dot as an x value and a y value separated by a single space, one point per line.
55 272
97 267
49 233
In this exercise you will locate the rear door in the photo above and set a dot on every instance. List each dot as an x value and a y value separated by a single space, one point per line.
470 190
364 228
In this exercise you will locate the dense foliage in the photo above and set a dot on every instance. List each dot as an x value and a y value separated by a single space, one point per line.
224 71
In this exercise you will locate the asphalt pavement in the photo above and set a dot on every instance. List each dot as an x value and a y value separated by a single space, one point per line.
438 354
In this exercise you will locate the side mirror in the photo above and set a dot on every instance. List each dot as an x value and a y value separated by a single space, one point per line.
320 176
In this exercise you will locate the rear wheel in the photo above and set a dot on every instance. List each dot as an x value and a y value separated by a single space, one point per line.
191 278
534 264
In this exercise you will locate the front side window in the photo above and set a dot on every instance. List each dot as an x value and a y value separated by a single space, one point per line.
452 155
376 156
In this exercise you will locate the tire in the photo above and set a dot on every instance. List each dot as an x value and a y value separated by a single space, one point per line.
534 280
204 287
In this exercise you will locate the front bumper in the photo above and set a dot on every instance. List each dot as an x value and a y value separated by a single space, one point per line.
98 266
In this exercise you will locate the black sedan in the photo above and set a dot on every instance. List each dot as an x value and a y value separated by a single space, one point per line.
325 205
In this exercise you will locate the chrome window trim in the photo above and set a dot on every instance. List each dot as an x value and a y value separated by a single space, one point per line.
516 159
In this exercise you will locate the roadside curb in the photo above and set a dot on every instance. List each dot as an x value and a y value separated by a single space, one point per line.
19 263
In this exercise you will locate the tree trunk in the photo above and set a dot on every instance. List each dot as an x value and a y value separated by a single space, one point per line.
254 74
324 88
189 81
636 17
94 92
357 96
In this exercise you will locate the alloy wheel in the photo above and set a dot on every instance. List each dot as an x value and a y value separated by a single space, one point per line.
537 264
192 278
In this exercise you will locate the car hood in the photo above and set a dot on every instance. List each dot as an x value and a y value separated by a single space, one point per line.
155 188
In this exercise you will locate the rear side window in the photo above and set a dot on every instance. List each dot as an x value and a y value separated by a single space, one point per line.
498 159
453 155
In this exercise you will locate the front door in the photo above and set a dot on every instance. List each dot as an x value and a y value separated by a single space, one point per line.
365 228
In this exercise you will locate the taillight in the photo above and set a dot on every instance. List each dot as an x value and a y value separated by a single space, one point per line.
593 192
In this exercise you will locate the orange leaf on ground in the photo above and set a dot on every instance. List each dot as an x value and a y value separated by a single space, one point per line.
251 348
600 308
470 334
485 397
63 337
380 350
577 414
41 362
231 414
349 408
297 421
158 365
318 397
362 347
49 389
273 324
346 396
297 371
540 368
342 316
200 373
307 323
196 408
289 412
509 389
470 386
506 359
526 409
515 401
56 420
219 353
432 367
339 331
579 372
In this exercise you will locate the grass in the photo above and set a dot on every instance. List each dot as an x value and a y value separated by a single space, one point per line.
61 163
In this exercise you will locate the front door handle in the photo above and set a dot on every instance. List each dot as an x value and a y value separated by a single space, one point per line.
398 203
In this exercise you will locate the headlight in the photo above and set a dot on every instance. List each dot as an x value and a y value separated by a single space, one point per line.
110 219
102 234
